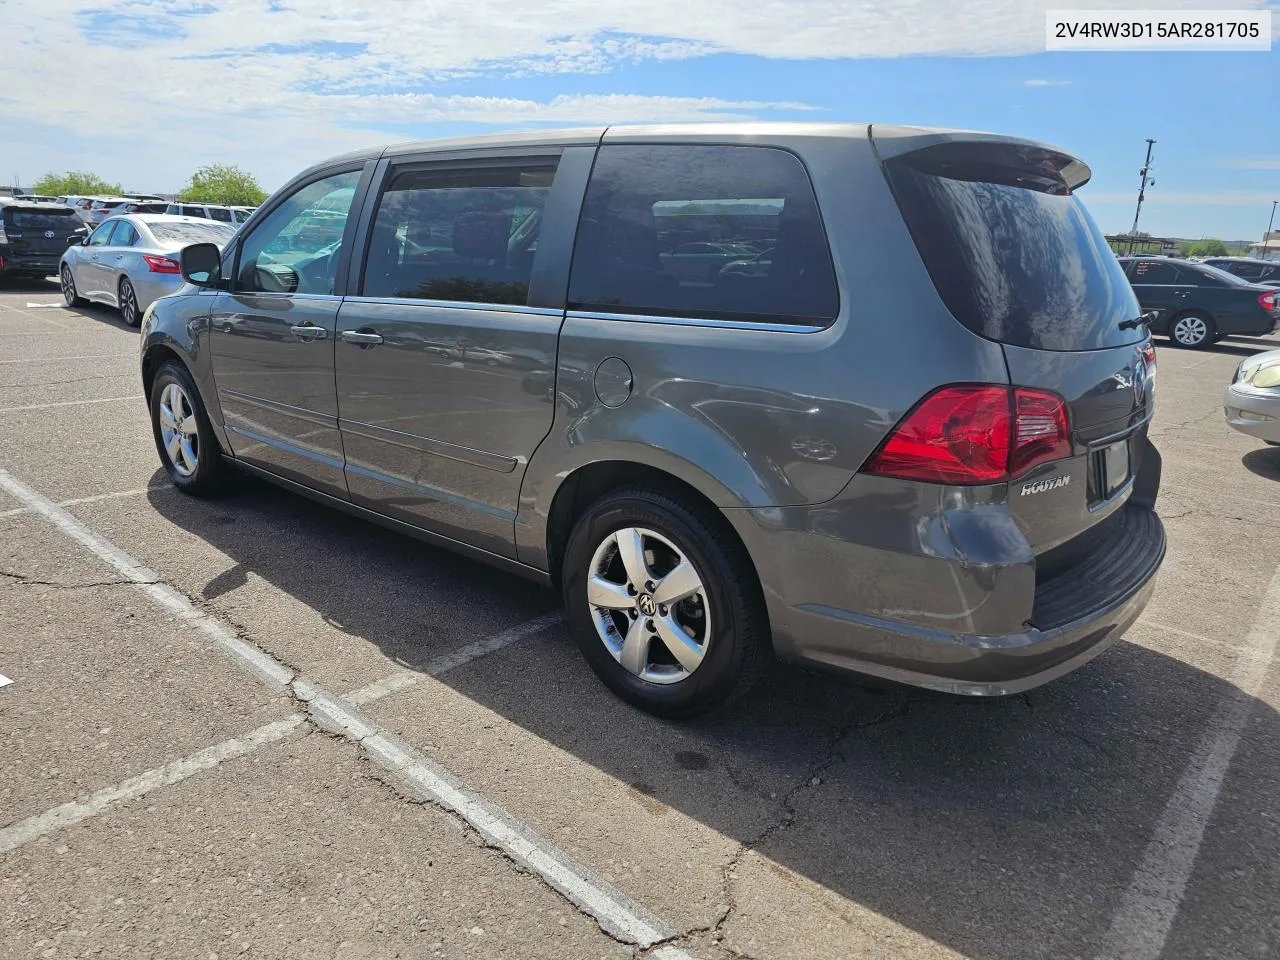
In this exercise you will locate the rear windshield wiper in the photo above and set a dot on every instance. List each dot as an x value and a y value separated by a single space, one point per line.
1142 320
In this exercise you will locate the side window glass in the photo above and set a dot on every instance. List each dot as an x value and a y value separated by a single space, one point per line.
1153 271
464 235
729 232
296 249
125 235
222 214
102 236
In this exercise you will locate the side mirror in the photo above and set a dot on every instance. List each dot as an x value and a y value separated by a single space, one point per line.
201 264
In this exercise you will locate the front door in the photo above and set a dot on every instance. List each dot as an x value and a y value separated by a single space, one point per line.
272 338
91 268
442 358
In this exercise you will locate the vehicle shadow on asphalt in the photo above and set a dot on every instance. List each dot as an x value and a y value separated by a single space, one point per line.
1002 829
1264 462
48 292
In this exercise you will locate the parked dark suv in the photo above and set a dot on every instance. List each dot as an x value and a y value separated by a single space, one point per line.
1196 305
33 237
910 442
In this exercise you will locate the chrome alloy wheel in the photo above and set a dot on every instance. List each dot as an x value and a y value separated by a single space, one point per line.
68 285
128 304
178 430
641 587
1190 331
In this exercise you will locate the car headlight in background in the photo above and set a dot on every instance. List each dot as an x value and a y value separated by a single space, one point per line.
1258 375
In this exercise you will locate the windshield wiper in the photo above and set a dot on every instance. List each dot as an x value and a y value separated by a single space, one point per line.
1143 320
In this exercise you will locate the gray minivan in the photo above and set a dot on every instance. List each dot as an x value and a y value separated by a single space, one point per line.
910 440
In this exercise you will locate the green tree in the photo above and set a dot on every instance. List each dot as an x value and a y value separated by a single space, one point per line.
1213 247
74 183
222 183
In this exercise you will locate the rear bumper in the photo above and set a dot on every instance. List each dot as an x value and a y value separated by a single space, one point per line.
892 623
33 265
1253 413
150 287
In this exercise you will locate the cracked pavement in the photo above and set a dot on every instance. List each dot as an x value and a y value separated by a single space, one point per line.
820 818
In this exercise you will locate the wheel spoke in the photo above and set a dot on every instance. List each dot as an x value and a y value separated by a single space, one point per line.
174 447
166 416
681 645
634 656
609 595
188 453
631 551
188 426
682 581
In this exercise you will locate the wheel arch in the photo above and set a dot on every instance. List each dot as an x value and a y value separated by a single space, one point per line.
591 481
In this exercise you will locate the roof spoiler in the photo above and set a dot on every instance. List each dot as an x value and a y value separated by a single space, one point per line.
960 148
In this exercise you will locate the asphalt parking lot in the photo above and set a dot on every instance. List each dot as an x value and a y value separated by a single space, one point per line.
254 727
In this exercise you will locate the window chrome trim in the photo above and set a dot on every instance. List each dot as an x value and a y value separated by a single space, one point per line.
700 322
460 305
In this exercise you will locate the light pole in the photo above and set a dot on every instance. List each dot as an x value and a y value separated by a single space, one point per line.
1142 193
1263 251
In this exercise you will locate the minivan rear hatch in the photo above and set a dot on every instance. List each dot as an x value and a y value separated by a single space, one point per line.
1017 259
40 231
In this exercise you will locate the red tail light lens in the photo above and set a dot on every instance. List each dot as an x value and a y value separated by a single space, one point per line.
1040 432
1267 300
1148 351
956 435
975 434
162 265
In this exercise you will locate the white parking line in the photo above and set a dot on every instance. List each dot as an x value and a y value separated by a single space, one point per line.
91 356
616 913
24 831
1150 903
4 681
68 403
98 498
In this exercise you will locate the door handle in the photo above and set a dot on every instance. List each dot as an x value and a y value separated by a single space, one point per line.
360 338
309 332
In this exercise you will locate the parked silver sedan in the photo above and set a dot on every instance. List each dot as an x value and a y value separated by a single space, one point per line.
129 261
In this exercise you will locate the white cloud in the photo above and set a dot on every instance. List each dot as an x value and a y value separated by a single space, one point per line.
1046 83
1252 163
160 85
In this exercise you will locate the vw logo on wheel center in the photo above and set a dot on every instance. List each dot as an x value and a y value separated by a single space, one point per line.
646 605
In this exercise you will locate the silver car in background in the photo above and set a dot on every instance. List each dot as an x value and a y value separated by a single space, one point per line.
131 260
1252 400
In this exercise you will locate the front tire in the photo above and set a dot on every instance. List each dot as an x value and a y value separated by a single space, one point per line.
184 436
1194 330
67 280
664 603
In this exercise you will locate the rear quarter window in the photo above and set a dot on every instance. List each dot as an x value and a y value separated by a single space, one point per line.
712 232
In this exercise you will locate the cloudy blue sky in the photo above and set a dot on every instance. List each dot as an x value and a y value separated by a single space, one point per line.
142 91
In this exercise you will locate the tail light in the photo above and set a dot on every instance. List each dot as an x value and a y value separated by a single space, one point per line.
162 264
1267 301
975 435
4 237
1148 351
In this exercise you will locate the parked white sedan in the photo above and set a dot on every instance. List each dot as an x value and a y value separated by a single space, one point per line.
129 261
1252 401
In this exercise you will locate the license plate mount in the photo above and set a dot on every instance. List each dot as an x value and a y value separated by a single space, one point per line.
1115 467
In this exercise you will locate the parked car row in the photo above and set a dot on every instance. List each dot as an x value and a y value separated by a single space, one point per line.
1197 304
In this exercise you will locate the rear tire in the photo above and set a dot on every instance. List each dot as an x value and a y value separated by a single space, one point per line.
128 301
723 622
67 281
184 436
1194 330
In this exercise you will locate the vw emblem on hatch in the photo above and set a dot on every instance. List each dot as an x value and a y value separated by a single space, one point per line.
646 605
49 234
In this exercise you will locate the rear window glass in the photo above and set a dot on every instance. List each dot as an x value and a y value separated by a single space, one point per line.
18 219
1013 253
714 232
190 232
